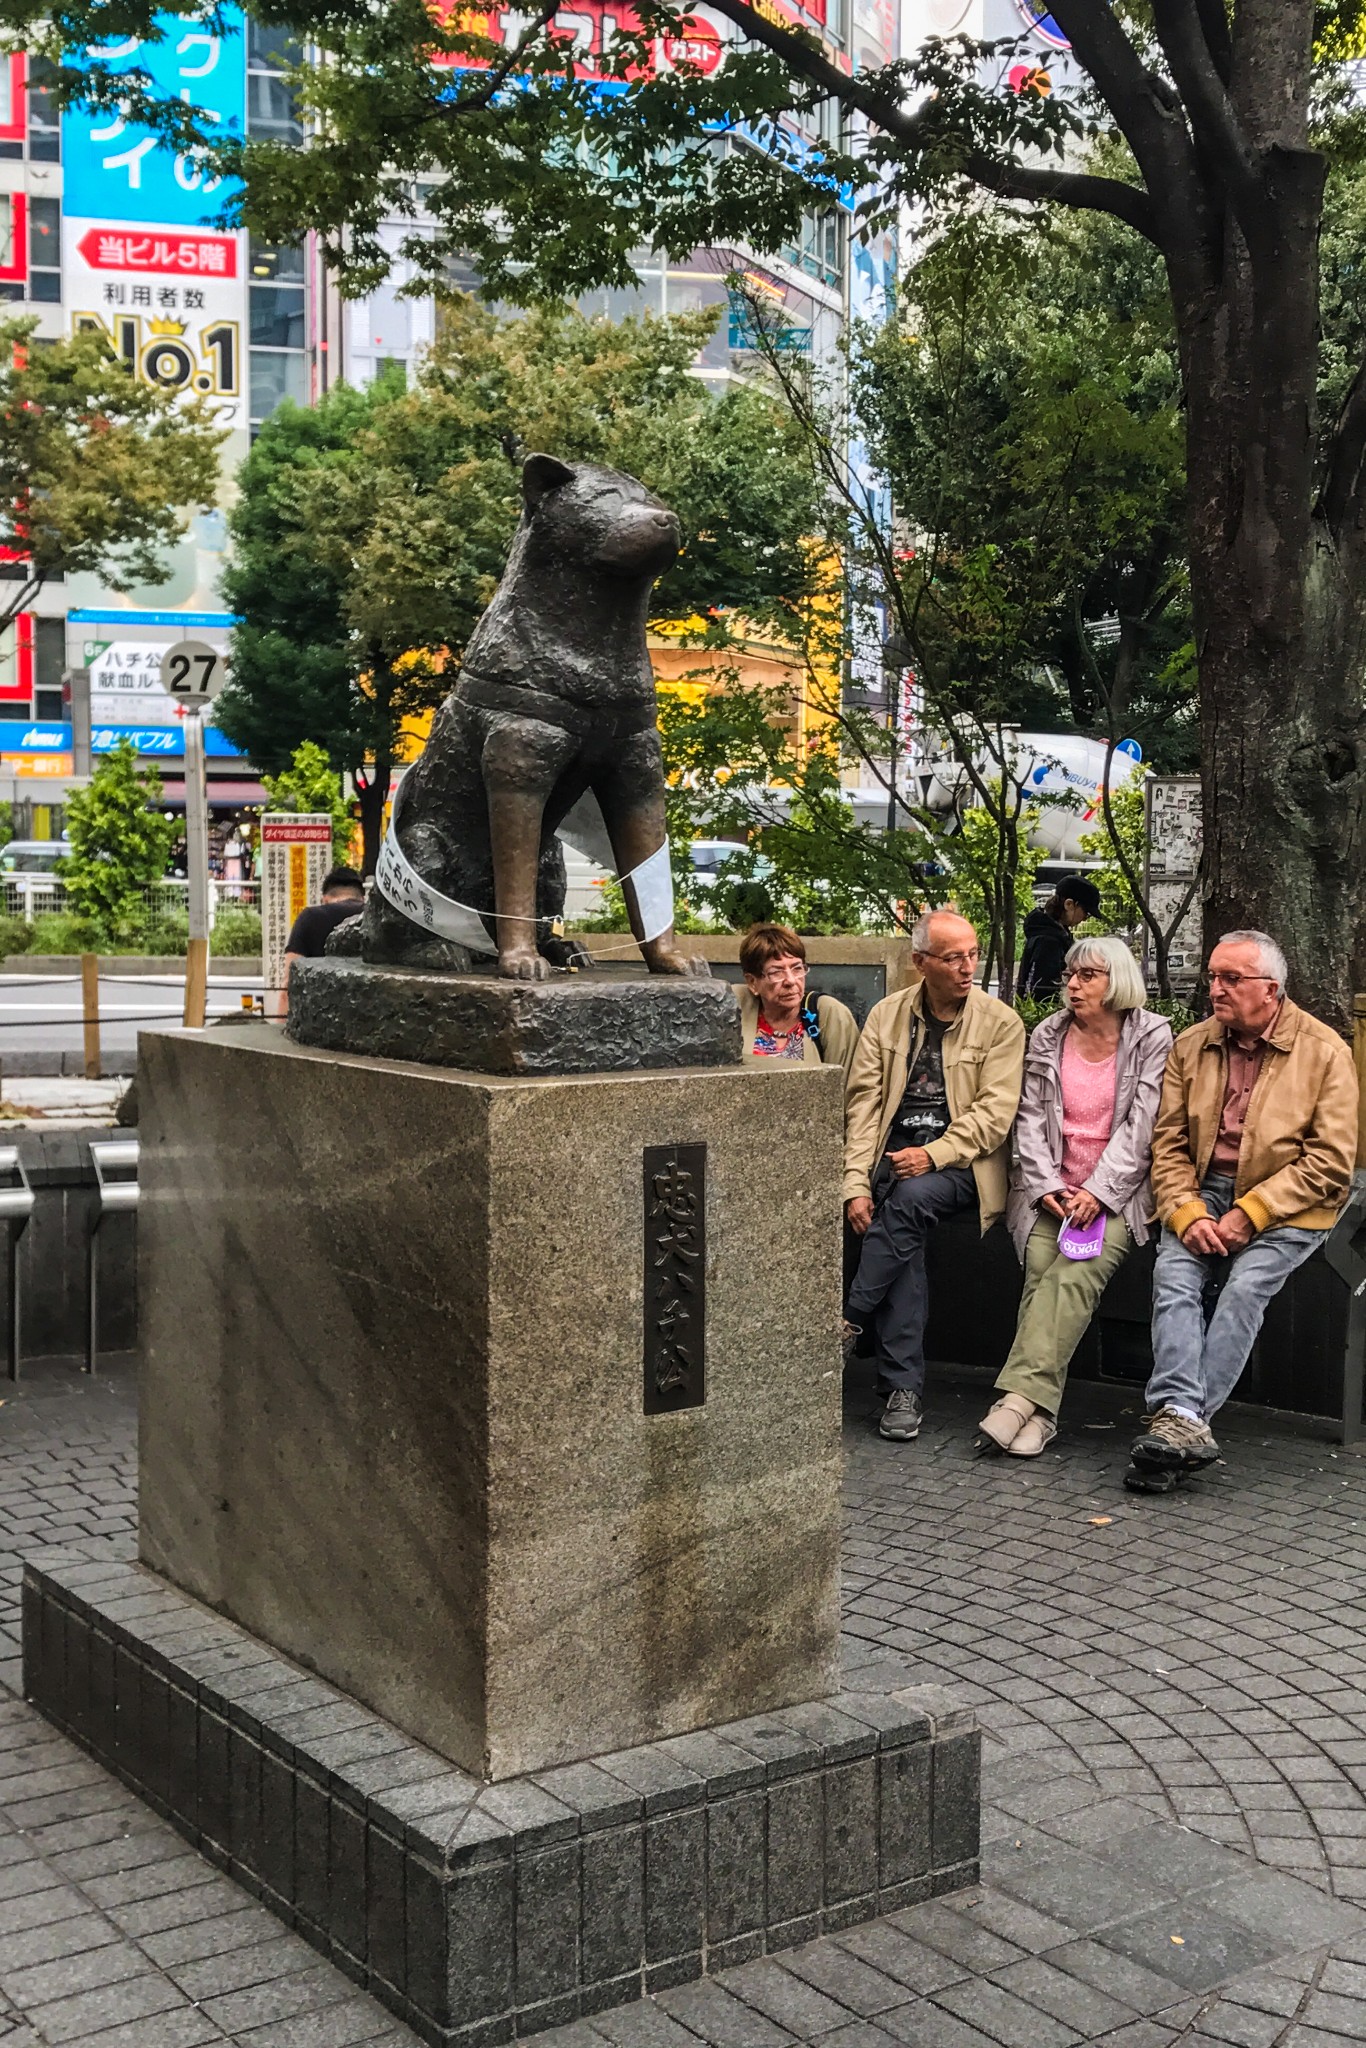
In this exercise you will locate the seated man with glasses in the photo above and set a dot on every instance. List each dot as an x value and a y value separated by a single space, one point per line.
932 1095
1253 1151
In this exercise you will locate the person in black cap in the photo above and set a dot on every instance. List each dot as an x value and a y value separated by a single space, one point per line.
1048 934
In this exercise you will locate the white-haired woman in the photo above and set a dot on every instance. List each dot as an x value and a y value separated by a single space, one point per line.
1083 1144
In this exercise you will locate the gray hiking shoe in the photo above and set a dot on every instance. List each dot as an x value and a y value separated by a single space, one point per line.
849 1336
901 1417
1174 1443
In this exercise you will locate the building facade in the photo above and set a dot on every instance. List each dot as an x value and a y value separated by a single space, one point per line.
104 228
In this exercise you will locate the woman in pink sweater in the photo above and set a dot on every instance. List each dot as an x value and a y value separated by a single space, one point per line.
1079 1193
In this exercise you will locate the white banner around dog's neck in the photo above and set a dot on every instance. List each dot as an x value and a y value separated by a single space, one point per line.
650 885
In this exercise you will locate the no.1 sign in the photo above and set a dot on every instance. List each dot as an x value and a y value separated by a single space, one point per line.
193 672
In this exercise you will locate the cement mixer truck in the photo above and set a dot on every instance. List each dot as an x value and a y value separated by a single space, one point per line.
1060 773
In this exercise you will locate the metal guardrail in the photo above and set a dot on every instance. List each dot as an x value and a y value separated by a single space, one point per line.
31 895
16 1207
117 1190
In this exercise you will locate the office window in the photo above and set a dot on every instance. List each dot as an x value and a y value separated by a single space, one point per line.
276 374
277 292
13 253
29 123
44 121
45 250
277 312
272 114
49 659
820 253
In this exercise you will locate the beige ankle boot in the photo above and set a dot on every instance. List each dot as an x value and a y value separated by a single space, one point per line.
1003 1422
1037 1434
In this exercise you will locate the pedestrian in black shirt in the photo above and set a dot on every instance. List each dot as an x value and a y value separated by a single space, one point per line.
1048 935
343 897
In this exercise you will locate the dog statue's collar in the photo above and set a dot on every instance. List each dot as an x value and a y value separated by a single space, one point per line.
584 719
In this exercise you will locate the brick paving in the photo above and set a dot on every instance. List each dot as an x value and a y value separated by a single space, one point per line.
1175 1768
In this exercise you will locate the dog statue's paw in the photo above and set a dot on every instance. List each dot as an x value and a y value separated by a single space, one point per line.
524 966
662 956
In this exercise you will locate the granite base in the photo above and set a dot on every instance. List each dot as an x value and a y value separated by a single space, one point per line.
572 1024
479 1912
414 1405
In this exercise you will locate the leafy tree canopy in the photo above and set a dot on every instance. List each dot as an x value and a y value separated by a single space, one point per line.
97 469
1026 410
310 783
119 841
371 530
551 180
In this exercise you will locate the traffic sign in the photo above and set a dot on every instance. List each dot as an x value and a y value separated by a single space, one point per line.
193 672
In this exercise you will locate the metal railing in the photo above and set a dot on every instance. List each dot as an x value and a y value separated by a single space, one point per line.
117 1190
16 1207
31 896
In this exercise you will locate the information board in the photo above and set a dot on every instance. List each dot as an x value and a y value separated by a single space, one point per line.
1175 843
296 852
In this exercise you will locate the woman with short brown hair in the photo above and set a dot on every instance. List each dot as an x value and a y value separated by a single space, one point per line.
776 1019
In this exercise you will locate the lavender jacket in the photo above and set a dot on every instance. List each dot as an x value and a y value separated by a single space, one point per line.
1120 1180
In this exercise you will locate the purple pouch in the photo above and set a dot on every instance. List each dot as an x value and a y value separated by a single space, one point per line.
1083 1244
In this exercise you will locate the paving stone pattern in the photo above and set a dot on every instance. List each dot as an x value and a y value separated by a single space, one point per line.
1175 1768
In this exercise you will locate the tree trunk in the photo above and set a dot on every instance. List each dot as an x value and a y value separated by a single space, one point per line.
1280 610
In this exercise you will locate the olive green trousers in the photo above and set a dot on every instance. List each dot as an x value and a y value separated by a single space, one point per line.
1060 1297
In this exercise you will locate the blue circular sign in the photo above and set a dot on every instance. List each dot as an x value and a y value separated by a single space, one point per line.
1043 24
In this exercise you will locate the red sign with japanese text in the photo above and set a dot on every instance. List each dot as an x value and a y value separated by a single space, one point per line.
167 254
292 831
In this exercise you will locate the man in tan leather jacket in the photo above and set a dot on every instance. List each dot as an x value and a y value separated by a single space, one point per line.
932 1095
1253 1151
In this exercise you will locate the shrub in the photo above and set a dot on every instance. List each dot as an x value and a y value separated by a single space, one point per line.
62 931
237 932
118 840
14 933
158 932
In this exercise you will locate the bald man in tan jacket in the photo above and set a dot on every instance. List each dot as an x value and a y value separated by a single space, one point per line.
932 1096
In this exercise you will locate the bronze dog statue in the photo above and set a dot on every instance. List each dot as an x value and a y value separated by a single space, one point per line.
555 702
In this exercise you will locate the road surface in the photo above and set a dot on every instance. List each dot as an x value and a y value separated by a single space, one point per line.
41 1029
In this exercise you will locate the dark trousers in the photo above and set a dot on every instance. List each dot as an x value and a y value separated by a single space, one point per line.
891 1292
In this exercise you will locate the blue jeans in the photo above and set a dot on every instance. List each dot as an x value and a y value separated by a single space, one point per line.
1197 1360
891 1290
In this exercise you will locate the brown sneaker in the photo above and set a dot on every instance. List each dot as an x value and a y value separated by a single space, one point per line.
1175 1443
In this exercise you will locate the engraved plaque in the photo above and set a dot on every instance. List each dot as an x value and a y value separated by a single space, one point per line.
675 1277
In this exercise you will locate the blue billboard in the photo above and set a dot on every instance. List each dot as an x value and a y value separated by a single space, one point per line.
115 170
19 736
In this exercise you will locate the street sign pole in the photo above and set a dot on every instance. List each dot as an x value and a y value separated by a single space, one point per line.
76 690
193 673
197 862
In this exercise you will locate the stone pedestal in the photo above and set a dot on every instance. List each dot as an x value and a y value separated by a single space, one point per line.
572 1024
478 1912
510 1406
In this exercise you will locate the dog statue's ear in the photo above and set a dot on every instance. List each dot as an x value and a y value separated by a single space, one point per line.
540 474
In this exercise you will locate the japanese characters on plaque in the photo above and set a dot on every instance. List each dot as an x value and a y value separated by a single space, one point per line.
675 1277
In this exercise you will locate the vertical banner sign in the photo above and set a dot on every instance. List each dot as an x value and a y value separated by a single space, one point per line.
675 1277
142 263
296 852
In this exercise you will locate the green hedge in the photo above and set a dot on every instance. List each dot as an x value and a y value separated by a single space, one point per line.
236 934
